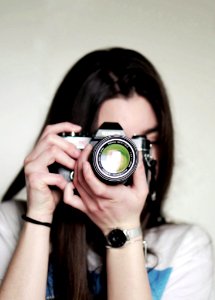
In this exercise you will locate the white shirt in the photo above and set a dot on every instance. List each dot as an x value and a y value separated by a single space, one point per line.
180 268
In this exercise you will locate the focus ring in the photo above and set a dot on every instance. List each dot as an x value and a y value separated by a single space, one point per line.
114 159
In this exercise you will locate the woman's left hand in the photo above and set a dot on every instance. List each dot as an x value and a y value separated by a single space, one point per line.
107 206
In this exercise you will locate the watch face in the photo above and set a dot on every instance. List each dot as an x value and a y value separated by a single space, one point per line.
116 238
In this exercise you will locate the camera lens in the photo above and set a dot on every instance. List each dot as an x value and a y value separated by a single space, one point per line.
114 159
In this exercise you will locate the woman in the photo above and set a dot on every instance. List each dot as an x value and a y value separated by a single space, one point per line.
74 230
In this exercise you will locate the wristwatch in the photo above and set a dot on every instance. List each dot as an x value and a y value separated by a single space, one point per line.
117 237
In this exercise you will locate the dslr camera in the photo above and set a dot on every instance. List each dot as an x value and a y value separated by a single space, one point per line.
114 156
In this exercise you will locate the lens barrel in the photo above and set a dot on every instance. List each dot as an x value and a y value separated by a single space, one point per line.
114 159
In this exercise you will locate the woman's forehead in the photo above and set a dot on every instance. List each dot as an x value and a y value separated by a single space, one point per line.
135 114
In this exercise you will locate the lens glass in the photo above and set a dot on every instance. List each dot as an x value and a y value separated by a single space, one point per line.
115 158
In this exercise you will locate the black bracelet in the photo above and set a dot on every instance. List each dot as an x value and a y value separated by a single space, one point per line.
30 220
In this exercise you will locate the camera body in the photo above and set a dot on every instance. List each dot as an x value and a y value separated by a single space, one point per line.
114 156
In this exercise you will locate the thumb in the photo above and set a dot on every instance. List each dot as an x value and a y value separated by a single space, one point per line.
71 199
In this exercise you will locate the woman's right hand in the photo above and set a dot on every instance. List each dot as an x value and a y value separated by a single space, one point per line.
50 148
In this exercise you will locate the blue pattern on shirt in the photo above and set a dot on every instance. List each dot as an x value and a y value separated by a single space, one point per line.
158 280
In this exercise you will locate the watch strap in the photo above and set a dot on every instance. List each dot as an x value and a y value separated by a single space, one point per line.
133 233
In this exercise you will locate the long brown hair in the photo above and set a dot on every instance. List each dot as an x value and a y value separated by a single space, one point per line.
101 75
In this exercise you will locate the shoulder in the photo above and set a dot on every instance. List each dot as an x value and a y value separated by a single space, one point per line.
173 241
175 231
173 236
10 214
10 225
185 251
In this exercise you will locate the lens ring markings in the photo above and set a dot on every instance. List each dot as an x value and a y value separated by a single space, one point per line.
126 158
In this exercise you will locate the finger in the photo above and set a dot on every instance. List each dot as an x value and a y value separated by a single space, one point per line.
84 190
54 140
80 184
80 180
47 158
61 127
85 154
93 184
42 180
88 199
86 181
79 165
73 200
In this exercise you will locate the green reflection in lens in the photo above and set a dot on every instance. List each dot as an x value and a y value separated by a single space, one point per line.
115 158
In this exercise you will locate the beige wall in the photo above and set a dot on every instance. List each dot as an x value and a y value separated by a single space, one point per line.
41 39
